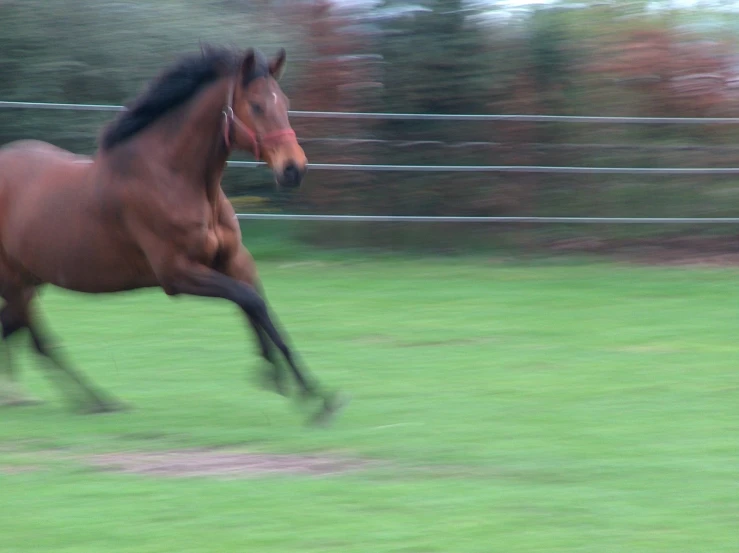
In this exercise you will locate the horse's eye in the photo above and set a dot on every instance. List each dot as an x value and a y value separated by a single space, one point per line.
257 109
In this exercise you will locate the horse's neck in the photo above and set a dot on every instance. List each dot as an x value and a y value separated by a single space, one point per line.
193 138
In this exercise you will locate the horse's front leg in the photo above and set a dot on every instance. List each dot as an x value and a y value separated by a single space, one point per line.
185 277
273 377
237 262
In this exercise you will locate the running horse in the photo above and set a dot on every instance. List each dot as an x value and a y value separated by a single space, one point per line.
147 210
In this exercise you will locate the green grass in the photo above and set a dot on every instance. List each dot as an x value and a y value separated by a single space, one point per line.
532 407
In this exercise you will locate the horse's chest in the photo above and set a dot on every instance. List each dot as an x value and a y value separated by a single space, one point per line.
203 241
210 245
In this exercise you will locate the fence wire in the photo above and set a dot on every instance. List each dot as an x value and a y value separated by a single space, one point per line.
454 219
426 116
509 169
470 168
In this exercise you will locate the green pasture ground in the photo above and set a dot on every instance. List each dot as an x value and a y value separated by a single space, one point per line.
562 406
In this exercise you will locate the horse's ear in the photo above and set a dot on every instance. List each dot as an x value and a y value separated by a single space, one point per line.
247 64
277 65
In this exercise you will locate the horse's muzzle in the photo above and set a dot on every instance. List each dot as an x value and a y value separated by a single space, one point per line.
291 176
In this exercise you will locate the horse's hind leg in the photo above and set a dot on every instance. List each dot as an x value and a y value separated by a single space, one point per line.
96 401
18 306
11 394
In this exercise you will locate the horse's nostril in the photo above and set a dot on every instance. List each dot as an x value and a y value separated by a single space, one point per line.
291 171
291 175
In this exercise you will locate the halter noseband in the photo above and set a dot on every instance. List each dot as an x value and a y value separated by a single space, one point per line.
258 143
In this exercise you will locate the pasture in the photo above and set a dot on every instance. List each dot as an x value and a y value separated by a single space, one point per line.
548 406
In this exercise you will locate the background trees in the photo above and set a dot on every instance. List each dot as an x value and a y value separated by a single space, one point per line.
437 56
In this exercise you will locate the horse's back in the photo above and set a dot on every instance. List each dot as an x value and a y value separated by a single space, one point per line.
46 197
21 151
32 168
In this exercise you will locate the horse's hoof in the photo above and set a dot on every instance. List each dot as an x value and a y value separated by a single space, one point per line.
268 380
330 408
12 395
23 401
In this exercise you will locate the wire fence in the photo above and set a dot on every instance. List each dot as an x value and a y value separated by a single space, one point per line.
464 144
457 168
347 140
426 116
509 169
461 219
470 168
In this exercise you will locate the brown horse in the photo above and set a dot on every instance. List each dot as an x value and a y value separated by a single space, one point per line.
147 210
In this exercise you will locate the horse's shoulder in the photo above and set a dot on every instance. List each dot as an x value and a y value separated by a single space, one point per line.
226 211
230 230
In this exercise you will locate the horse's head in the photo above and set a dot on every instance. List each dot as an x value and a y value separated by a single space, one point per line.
257 118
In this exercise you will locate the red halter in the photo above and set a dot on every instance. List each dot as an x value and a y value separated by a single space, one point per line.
258 143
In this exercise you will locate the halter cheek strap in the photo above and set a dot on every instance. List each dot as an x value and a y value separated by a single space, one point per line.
257 142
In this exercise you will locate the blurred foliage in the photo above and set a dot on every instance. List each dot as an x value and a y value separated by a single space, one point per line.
599 58
437 56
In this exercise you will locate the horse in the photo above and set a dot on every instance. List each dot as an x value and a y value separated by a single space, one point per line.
147 210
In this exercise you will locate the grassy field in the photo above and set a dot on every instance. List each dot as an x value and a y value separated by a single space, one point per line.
515 407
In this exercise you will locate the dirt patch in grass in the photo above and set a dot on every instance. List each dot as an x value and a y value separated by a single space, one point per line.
18 469
223 463
208 462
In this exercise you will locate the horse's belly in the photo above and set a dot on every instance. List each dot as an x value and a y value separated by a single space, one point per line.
60 235
102 274
79 257
85 269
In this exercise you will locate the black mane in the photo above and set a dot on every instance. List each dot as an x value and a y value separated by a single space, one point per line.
174 87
